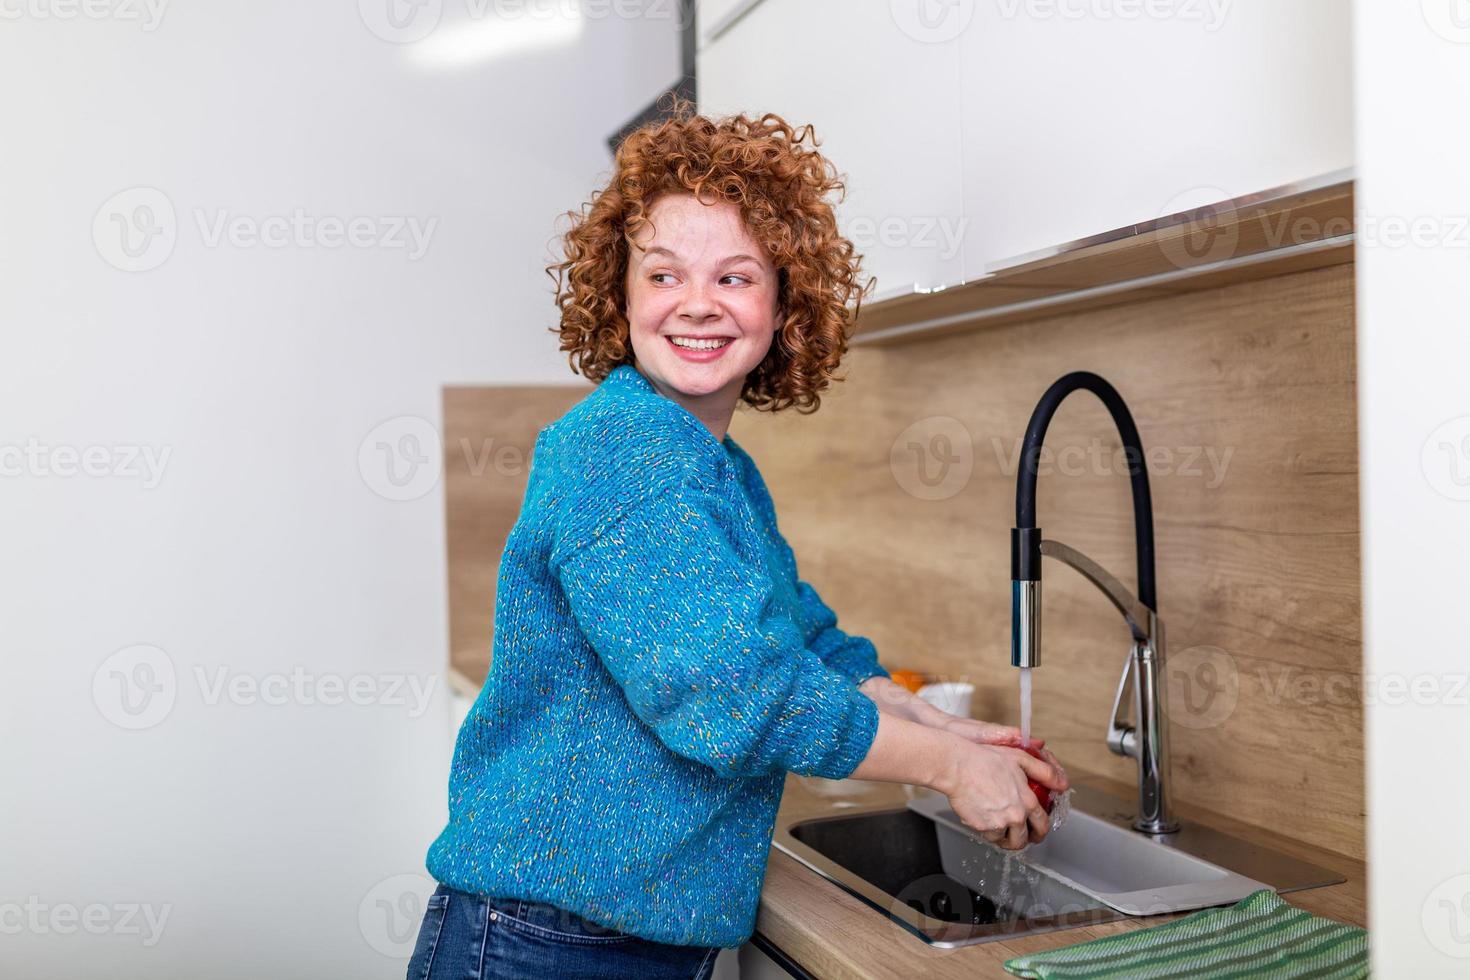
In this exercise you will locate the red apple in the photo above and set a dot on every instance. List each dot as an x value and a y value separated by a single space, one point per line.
1043 795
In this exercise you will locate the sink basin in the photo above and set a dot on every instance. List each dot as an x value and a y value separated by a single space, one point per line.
891 859
1118 866
933 879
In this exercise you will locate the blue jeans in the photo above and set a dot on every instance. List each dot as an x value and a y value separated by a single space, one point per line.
474 937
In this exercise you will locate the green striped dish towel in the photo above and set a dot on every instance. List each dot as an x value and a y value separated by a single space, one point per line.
1259 936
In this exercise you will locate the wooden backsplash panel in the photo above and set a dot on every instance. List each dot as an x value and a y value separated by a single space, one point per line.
1246 396
489 435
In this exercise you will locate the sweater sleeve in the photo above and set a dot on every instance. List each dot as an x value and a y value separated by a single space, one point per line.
855 656
693 634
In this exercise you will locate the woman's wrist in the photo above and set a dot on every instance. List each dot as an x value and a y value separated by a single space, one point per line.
946 772
906 752
895 699
926 714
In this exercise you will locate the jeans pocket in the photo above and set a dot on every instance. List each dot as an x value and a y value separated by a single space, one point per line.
556 924
427 944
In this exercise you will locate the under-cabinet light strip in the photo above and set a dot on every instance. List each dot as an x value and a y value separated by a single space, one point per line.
1097 292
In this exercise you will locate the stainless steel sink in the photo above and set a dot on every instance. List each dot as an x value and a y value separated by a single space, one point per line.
933 879
1118 866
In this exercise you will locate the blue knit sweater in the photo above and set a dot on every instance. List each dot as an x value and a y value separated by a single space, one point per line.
657 669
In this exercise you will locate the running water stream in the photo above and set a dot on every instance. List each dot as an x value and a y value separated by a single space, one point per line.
1013 884
1025 705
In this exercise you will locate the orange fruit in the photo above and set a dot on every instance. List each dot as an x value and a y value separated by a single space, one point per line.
910 679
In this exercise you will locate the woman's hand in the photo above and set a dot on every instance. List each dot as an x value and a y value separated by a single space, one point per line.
895 699
987 733
986 786
982 732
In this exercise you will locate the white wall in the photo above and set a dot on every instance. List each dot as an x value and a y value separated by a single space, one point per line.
269 837
1412 86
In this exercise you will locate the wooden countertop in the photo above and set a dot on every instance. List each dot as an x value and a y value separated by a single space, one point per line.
833 935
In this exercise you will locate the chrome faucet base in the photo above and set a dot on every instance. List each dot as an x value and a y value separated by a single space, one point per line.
1145 738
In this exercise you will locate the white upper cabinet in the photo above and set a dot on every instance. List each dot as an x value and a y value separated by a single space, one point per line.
1082 116
881 95
975 131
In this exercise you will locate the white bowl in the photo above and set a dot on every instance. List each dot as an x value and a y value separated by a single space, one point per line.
951 696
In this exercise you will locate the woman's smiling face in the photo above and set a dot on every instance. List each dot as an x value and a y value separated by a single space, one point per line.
697 276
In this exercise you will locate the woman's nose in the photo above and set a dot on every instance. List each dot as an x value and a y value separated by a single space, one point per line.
697 304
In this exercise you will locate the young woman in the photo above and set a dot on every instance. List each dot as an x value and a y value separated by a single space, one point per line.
658 666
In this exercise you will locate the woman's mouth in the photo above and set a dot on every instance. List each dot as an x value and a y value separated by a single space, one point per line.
699 349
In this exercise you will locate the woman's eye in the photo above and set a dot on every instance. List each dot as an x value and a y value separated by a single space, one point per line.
658 277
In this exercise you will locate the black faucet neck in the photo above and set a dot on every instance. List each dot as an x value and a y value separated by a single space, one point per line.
1026 536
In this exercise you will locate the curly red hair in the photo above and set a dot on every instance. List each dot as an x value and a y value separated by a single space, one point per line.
780 186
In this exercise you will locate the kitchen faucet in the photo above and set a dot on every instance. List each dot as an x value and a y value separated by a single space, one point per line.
1146 739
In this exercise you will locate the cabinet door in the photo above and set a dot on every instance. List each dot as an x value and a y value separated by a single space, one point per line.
1082 116
881 88
755 964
